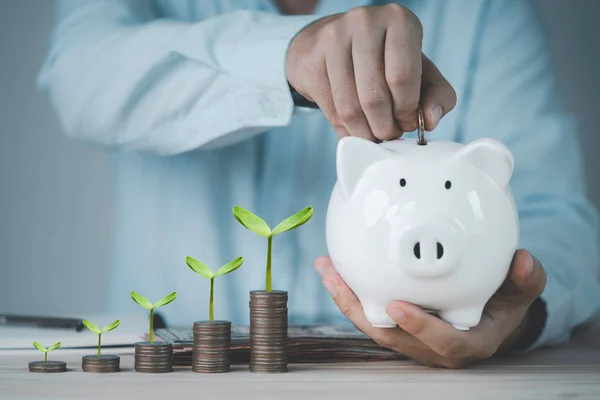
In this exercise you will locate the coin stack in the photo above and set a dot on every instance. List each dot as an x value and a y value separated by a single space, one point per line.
153 357
107 363
268 331
212 346
47 367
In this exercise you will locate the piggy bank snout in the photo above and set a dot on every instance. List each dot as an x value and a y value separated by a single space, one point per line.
430 249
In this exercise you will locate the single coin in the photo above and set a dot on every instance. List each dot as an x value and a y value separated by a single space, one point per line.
106 363
421 139
47 367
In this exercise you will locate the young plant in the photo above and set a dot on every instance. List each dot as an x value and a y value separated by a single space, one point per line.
93 328
202 269
46 350
144 302
257 225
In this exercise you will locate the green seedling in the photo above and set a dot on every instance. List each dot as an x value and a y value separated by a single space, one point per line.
144 302
202 269
46 350
93 328
257 225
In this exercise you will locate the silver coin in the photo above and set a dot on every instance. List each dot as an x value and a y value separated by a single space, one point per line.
421 138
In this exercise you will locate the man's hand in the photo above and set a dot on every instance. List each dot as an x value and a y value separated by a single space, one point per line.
433 341
365 70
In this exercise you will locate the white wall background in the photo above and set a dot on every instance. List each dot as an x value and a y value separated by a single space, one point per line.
55 195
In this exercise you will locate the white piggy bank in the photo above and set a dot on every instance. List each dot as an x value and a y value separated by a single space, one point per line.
433 225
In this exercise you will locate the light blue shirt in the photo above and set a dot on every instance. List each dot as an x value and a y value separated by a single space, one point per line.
190 100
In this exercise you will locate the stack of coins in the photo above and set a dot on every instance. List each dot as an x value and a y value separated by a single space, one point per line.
47 367
108 363
268 331
212 346
153 357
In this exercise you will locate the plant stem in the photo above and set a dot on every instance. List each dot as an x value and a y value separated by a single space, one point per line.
211 312
269 286
151 326
99 336
45 358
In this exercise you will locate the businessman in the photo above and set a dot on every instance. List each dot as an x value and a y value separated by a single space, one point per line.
200 106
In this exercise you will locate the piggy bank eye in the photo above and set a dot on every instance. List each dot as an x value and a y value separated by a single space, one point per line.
402 182
448 184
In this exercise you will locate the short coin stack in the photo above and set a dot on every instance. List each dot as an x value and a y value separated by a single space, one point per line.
212 346
47 367
107 363
154 357
268 331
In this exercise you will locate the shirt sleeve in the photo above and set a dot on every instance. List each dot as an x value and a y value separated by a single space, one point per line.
119 76
512 97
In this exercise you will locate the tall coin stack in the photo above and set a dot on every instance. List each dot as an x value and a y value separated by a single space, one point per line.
154 357
268 331
212 346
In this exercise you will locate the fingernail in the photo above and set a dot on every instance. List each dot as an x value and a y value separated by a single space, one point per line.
398 314
529 268
330 288
436 115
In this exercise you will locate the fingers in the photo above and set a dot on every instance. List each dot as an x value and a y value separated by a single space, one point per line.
373 92
403 66
349 305
439 335
347 108
324 98
343 296
437 95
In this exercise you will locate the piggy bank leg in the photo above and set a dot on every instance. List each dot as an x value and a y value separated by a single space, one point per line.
376 315
462 318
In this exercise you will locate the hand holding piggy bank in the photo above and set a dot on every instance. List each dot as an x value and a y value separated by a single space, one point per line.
433 225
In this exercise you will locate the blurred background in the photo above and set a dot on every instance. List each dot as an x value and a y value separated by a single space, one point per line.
55 194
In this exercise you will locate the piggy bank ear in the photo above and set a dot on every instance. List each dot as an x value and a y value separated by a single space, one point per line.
354 155
490 156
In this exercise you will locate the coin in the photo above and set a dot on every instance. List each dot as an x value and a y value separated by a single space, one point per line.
106 363
48 366
154 357
421 138
211 351
268 331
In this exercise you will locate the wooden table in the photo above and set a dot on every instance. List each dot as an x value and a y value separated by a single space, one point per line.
567 372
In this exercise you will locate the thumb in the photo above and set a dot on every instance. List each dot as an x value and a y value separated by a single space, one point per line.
526 277
438 97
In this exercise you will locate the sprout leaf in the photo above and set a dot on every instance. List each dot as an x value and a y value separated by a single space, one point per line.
54 346
165 300
110 326
198 267
40 347
91 326
230 266
294 221
251 222
141 300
